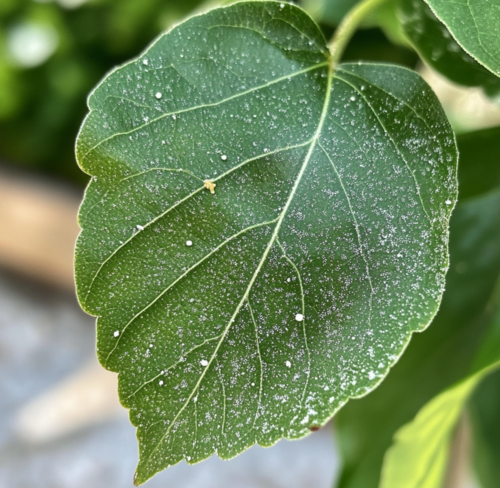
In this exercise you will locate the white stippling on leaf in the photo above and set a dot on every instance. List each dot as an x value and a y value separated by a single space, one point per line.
299 201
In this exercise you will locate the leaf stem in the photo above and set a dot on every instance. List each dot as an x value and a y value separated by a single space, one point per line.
347 28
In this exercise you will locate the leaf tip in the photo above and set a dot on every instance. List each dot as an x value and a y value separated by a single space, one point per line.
135 480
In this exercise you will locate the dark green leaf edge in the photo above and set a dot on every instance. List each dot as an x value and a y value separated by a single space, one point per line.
468 72
472 55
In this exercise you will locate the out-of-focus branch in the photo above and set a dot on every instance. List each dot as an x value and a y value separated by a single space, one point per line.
458 463
38 229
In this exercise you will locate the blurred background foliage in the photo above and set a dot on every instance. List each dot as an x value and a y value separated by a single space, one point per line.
53 53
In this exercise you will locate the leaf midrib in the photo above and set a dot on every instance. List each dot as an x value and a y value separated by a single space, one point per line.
274 236
312 143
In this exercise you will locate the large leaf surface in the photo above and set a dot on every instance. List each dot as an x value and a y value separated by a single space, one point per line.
262 235
444 354
438 48
475 24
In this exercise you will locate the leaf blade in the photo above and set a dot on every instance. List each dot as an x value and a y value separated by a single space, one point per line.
253 312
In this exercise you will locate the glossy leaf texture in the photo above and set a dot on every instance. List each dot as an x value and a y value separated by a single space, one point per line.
445 353
261 235
419 455
437 47
475 24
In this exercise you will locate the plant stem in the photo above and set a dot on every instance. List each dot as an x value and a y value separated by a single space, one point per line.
459 457
347 28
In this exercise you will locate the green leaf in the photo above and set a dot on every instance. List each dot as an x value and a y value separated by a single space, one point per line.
418 458
331 12
436 46
420 454
475 25
483 410
261 235
480 152
485 404
444 354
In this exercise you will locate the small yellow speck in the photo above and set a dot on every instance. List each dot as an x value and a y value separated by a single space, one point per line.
210 186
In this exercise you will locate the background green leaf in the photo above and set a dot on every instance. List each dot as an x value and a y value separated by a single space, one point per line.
419 456
331 12
42 106
444 354
480 162
436 46
483 408
475 24
254 311
485 405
